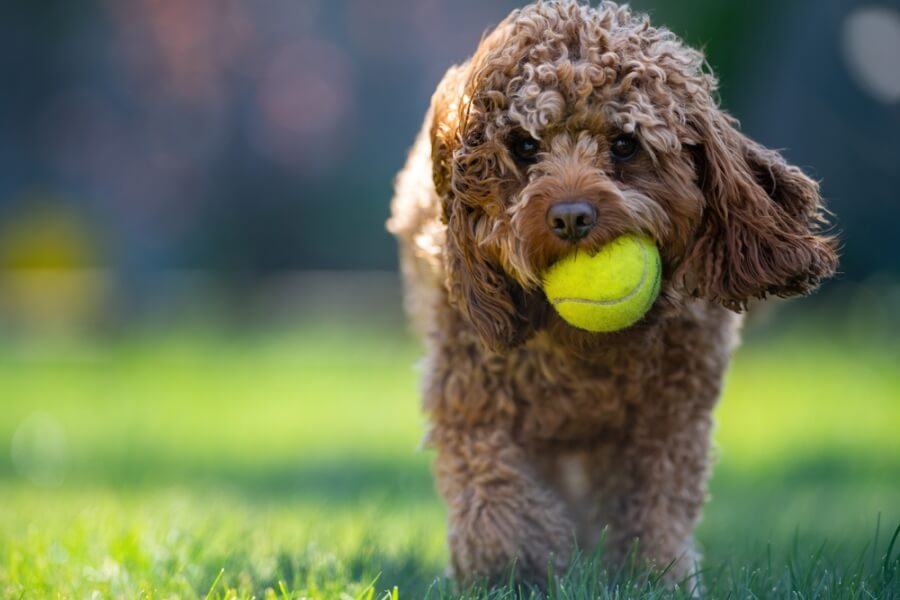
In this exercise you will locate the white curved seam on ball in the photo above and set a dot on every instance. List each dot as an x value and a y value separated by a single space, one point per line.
634 291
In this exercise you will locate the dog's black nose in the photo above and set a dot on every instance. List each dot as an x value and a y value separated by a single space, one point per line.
571 220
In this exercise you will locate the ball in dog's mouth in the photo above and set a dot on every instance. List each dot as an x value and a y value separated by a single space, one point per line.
608 291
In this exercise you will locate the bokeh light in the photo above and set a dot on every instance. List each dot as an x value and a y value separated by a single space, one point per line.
871 44
39 450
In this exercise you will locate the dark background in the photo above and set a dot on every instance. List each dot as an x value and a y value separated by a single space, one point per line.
245 139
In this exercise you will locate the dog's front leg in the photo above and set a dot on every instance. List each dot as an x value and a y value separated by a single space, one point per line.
664 471
500 516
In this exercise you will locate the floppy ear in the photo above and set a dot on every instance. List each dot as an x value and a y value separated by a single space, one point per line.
476 285
761 230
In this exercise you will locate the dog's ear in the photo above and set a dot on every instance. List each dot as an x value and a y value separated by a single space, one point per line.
475 283
762 226
479 289
445 113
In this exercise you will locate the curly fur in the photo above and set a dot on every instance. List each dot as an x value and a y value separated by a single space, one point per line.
545 434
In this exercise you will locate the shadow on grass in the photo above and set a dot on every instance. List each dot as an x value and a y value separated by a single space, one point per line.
406 478
325 478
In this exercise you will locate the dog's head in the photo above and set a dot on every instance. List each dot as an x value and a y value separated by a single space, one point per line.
572 125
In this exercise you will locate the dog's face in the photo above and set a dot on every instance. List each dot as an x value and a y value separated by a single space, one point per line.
572 125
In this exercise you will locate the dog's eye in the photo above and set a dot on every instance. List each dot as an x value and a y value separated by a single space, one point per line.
623 147
524 148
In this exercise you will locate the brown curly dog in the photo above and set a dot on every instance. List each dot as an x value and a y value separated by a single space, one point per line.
547 435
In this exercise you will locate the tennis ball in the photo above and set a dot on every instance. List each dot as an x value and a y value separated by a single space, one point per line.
608 291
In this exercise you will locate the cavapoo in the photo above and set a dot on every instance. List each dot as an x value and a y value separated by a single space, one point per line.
546 435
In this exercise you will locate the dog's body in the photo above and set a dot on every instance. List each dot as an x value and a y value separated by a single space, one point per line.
545 434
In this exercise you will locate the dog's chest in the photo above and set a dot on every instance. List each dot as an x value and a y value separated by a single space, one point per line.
561 400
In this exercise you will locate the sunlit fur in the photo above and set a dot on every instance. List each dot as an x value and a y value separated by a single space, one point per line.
515 396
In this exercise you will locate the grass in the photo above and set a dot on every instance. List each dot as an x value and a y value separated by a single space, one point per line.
194 465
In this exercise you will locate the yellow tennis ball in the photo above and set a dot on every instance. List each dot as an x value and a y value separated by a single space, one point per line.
608 291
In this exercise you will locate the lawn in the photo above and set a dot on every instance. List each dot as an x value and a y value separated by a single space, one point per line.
191 463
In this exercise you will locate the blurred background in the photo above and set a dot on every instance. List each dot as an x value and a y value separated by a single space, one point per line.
160 149
192 207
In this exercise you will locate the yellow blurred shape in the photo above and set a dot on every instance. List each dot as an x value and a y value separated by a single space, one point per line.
45 237
49 280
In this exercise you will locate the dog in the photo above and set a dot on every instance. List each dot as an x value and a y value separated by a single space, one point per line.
549 438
